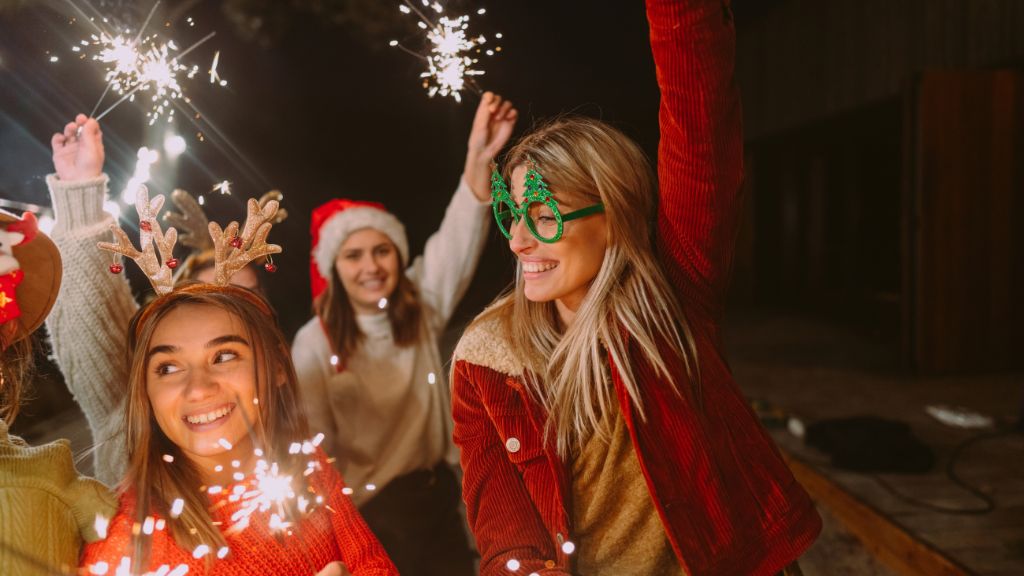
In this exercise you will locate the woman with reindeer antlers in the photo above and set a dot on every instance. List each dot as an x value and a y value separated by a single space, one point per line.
214 481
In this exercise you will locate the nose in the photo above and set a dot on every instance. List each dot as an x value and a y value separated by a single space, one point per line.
522 241
201 385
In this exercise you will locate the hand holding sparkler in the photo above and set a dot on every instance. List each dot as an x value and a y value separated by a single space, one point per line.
492 126
78 151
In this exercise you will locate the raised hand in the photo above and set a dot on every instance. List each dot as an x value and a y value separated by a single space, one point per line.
492 126
78 150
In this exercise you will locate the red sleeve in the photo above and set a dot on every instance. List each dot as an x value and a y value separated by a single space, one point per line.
112 549
361 552
499 508
700 155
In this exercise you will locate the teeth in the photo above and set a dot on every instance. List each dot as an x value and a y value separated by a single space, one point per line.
209 416
538 266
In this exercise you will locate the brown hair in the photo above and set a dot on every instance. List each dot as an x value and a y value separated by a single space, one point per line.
16 367
279 419
339 317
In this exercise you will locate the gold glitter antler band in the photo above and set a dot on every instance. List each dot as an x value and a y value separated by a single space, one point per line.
151 240
191 221
276 196
233 251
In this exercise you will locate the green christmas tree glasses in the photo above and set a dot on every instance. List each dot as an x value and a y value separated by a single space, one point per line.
539 207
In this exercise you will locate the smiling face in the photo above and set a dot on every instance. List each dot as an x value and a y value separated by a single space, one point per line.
201 383
367 265
561 271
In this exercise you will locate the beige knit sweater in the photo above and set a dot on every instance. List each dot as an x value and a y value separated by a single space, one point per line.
389 412
46 509
89 322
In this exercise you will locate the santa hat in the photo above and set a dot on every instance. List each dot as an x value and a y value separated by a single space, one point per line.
336 220
29 278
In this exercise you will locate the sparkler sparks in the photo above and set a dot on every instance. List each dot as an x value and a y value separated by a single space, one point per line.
143 63
224 187
450 59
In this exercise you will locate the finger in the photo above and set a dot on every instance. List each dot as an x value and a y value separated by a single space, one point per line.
70 129
482 113
80 119
495 104
57 141
502 112
90 126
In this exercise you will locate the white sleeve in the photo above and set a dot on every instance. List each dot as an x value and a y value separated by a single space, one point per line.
310 365
450 257
89 322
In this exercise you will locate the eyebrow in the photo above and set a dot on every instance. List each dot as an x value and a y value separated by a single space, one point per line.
374 247
228 338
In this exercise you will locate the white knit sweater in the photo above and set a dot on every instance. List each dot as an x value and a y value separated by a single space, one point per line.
389 412
89 322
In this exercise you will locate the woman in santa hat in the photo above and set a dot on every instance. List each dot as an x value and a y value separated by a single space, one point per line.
368 363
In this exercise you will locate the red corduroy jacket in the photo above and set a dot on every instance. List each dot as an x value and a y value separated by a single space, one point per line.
729 503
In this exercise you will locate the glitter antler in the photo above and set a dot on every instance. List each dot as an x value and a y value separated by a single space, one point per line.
234 252
191 221
151 240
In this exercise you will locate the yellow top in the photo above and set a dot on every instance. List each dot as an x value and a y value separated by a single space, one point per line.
616 528
46 508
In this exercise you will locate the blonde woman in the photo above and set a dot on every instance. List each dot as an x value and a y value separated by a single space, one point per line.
600 429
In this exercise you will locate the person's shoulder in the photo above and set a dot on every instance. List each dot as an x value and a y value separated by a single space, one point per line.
311 333
485 343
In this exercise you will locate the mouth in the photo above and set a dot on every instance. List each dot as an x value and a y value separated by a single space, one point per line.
535 270
373 284
209 419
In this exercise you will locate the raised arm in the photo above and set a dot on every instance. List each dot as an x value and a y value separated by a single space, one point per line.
451 255
89 322
700 155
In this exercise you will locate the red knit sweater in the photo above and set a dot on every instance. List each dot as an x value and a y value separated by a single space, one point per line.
729 504
331 532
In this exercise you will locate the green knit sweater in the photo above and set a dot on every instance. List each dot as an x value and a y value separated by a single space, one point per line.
46 508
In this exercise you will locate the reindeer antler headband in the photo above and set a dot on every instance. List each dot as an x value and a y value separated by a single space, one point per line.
232 251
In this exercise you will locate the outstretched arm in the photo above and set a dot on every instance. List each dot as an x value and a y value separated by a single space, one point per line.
89 322
700 155
451 254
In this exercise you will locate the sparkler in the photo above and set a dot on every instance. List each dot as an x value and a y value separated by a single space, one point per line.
450 59
143 63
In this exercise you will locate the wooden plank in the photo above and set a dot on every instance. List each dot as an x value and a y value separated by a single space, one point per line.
889 542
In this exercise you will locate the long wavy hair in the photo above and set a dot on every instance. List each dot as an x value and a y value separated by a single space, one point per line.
630 300
335 310
279 419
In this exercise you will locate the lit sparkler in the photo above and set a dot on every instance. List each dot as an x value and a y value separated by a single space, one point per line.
224 187
451 59
143 63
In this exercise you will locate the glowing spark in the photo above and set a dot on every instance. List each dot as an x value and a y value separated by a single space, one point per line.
568 547
371 487
168 458
214 76
512 565
177 507
224 443
334 360
235 463
99 568
200 551
54 58
382 303
450 67
147 526
347 491
223 552
431 378
224 187
272 489
101 524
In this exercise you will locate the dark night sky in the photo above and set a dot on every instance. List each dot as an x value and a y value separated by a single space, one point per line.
329 110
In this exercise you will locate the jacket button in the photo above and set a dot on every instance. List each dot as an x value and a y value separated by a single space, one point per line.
513 445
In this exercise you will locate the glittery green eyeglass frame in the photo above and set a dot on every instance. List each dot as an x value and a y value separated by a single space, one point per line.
535 190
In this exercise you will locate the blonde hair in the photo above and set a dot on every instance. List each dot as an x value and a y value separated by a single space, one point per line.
279 420
629 304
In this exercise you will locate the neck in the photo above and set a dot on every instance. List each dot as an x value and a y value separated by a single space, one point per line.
568 306
218 470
